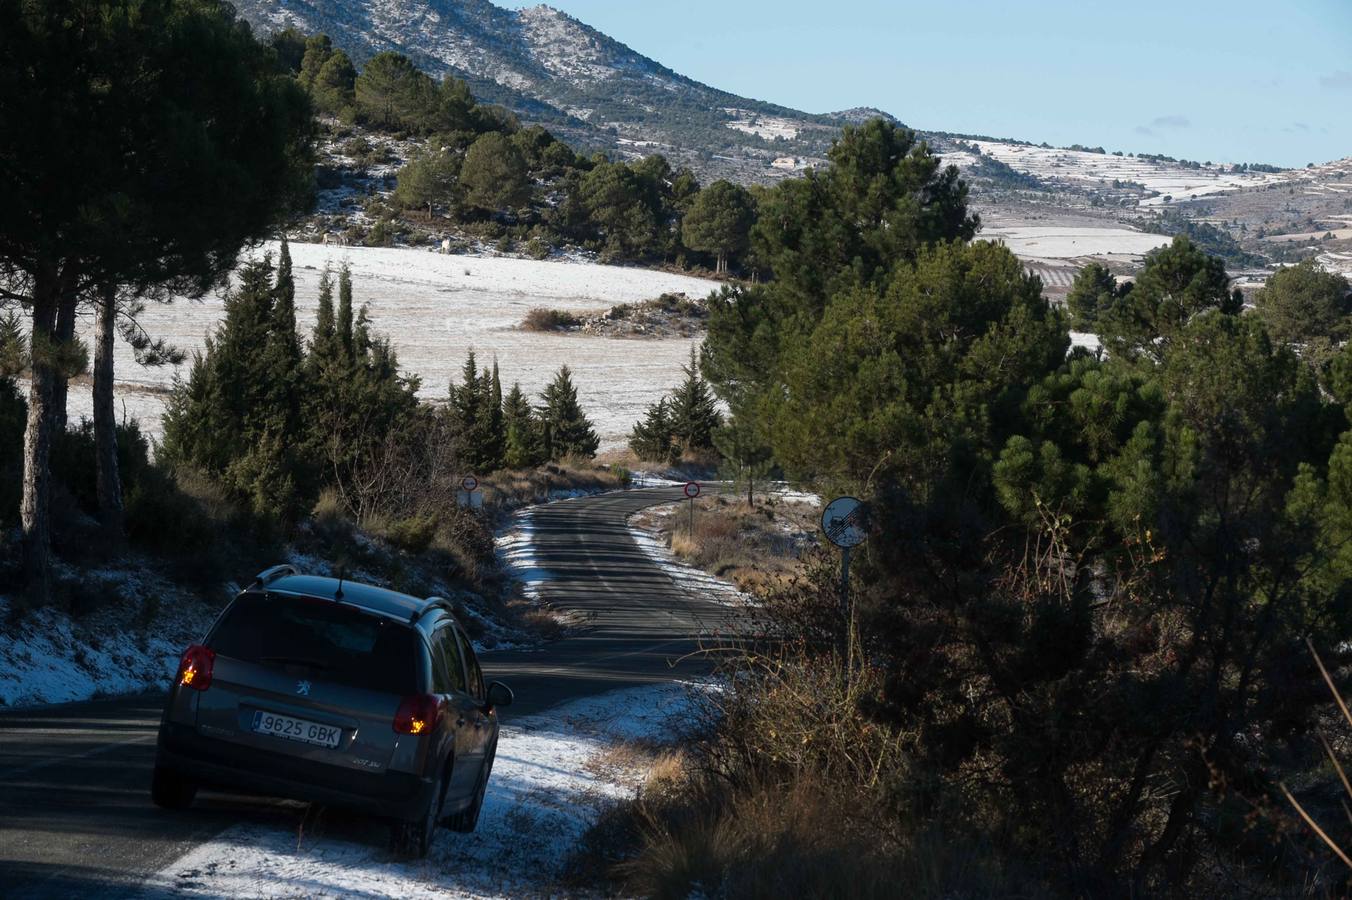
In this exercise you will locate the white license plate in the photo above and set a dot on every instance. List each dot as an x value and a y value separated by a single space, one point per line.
296 729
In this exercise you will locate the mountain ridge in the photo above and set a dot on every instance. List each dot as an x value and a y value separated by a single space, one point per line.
592 90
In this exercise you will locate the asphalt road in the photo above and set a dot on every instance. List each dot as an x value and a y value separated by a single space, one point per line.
75 812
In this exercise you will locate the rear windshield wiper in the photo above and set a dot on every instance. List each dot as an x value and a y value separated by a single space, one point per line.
296 661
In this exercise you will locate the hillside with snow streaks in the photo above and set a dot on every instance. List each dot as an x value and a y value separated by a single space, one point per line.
553 70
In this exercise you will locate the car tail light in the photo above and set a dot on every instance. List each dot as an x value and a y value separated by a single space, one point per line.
194 667
417 714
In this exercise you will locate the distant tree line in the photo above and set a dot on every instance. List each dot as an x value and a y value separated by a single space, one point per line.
478 164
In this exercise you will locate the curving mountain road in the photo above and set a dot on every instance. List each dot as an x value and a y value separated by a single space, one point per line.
75 812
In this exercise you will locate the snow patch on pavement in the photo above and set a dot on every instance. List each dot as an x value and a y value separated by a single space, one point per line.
551 781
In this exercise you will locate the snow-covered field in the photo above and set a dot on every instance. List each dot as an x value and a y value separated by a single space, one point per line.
768 127
1063 242
1336 262
435 308
552 779
1168 179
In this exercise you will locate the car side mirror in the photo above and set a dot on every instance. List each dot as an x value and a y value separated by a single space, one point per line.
499 694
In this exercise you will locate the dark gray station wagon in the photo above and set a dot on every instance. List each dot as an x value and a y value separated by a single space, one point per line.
336 693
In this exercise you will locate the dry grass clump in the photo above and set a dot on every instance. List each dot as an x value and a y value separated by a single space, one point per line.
790 793
758 548
509 489
541 319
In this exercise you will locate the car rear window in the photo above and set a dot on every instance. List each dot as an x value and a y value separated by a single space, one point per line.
336 643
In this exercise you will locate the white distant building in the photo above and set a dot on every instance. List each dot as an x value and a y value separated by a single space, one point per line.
792 163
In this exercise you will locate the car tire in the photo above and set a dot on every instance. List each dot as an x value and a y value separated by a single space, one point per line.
169 790
467 820
412 840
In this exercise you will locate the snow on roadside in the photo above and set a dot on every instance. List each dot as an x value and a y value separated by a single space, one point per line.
551 781
128 646
515 552
685 576
782 493
656 479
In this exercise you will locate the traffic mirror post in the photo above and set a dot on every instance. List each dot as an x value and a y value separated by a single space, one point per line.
847 612
845 523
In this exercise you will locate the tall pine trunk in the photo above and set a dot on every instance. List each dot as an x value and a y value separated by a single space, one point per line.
65 334
37 439
109 481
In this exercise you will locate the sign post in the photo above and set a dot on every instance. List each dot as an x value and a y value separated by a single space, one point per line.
692 491
845 523
468 496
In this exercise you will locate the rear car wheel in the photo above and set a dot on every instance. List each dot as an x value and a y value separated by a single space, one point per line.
414 839
169 790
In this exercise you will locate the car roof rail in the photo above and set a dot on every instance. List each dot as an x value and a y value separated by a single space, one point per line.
431 604
268 576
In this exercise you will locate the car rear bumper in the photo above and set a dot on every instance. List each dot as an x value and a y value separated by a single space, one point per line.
220 764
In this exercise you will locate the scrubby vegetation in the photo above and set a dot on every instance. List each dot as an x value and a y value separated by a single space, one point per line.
541 319
1216 241
1077 638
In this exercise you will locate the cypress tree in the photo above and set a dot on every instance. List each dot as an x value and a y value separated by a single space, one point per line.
343 326
568 431
470 401
496 427
324 336
237 415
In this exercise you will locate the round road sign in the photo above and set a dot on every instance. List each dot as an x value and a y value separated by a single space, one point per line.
845 522
692 490
470 483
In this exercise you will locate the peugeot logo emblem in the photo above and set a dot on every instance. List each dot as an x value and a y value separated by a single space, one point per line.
303 688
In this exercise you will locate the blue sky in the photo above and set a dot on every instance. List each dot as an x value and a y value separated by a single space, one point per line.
1235 81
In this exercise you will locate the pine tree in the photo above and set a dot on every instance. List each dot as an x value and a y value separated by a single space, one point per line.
651 439
568 431
719 221
694 414
13 354
1093 294
746 456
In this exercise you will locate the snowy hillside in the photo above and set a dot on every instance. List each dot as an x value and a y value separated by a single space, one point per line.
552 69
